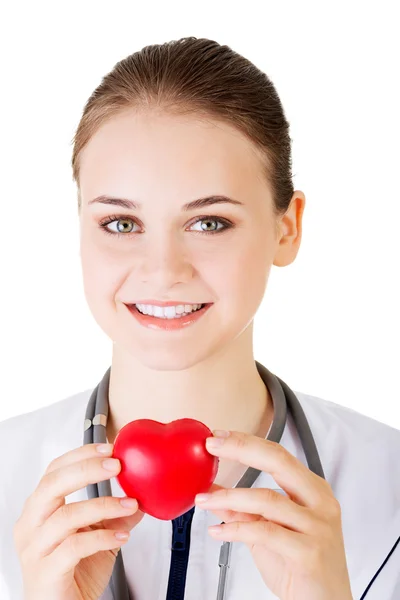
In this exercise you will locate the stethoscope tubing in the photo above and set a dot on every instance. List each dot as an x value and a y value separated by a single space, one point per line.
283 399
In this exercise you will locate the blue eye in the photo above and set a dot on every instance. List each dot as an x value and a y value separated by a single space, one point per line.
124 232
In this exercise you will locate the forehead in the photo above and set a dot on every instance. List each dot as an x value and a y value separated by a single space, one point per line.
146 148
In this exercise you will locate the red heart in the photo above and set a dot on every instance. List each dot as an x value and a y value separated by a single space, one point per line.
164 465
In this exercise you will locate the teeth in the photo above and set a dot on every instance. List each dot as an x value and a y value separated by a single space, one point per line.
168 312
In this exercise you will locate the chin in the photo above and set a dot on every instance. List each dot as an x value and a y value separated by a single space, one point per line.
168 357
158 359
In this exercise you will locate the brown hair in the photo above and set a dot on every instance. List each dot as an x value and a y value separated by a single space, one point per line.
198 76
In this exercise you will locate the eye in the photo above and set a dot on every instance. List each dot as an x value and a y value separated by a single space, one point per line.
209 222
123 226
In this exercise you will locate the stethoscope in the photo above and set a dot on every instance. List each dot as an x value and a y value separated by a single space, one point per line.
282 398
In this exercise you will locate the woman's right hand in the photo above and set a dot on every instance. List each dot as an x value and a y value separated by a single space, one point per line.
68 551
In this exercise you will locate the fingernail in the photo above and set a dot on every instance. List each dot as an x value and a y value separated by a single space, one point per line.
122 535
221 433
111 464
219 438
202 497
214 442
215 529
105 448
128 502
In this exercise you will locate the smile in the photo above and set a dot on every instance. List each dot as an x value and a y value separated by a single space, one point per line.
169 317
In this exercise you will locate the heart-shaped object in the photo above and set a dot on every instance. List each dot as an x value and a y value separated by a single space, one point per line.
164 465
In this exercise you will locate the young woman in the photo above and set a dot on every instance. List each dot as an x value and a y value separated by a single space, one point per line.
182 160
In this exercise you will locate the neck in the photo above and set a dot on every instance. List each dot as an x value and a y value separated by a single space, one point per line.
224 391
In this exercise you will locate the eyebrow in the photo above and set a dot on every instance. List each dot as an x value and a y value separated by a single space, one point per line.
199 203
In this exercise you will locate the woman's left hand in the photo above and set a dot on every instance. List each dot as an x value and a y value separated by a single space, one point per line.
296 541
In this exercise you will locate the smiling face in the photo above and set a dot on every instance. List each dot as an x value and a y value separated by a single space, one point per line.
220 253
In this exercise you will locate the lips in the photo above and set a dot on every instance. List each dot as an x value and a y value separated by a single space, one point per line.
165 323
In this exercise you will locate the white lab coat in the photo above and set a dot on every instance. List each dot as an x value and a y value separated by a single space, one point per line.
360 458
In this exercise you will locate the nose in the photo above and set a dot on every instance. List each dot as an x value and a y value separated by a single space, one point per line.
164 262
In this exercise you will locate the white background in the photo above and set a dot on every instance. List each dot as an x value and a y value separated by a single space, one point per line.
329 324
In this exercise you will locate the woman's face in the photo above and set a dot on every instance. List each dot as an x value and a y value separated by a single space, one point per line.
221 253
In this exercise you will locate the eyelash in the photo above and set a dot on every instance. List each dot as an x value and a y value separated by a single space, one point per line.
103 224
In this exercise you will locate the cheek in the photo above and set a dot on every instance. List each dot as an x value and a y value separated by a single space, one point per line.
101 276
244 272
239 281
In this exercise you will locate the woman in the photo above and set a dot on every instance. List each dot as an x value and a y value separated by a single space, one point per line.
182 162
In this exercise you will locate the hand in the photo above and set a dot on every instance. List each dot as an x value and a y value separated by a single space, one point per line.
296 541
69 550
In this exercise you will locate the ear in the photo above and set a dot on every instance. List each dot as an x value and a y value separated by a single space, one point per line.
290 231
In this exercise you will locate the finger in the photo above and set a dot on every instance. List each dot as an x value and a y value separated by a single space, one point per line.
284 542
264 502
302 485
36 507
80 453
228 515
70 517
120 523
214 487
124 523
78 546
55 485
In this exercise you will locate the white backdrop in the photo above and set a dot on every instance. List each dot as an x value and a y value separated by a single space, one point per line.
329 324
